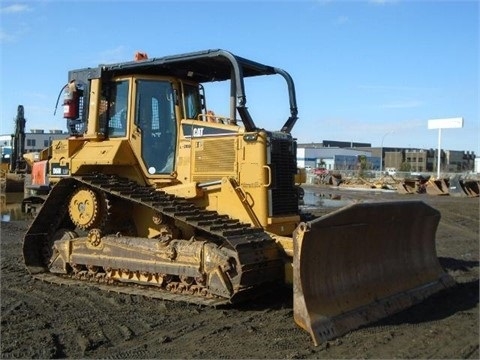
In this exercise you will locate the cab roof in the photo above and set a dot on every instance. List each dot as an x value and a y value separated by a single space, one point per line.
200 66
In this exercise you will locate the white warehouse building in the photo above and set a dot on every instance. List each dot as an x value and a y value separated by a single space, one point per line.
324 157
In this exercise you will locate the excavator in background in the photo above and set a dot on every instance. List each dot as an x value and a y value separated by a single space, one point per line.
13 166
17 163
152 194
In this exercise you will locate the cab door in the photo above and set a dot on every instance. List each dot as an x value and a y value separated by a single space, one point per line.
155 125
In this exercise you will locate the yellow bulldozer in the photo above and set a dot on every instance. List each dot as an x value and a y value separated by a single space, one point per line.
153 194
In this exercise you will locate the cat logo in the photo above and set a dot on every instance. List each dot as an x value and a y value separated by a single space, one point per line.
197 132
60 145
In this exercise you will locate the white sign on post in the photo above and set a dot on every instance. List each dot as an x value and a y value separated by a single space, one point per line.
451 123
445 123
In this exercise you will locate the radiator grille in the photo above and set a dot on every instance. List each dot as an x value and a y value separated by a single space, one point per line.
215 156
283 193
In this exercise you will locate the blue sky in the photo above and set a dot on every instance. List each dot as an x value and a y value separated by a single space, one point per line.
364 71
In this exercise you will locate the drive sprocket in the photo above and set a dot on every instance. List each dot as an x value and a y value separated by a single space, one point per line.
87 208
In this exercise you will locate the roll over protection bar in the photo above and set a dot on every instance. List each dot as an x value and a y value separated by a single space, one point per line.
202 66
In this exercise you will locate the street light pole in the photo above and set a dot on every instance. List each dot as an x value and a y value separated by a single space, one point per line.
381 151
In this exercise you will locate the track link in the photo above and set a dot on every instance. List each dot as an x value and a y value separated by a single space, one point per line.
262 272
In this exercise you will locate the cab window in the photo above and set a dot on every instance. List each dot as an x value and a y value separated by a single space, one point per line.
192 101
114 108
155 116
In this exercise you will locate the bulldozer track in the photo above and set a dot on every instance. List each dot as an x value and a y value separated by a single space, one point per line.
131 289
250 243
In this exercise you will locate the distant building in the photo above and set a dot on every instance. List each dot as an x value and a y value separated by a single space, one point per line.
337 144
333 158
349 162
413 159
36 140
426 160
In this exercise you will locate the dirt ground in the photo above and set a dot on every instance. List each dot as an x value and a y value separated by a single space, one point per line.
40 320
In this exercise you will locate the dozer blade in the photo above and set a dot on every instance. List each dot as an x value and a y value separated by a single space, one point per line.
456 186
436 187
472 187
407 187
362 263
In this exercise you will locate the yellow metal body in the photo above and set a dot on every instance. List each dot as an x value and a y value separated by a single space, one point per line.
301 176
227 174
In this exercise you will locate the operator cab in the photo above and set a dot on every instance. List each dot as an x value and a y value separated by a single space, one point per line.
146 110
